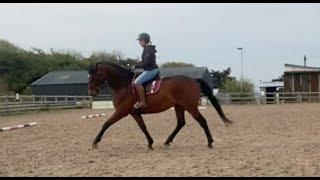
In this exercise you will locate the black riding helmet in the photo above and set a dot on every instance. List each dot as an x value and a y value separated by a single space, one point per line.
144 36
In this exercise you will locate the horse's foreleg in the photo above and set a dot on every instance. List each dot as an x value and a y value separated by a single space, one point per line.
180 123
113 119
143 127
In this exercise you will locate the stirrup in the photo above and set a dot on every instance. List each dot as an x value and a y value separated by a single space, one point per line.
136 106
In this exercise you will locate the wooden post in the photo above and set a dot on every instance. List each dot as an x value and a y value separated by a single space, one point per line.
45 101
299 97
90 102
5 105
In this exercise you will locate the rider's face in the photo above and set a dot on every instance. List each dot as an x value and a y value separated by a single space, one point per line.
142 43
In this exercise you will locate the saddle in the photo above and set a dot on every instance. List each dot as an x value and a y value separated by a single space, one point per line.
150 87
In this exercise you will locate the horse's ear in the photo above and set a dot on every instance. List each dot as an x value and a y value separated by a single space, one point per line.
96 66
91 69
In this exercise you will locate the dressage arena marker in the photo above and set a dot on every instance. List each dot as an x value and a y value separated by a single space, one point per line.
94 115
17 126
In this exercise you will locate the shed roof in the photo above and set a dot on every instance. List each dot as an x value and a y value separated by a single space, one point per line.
81 77
272 84
297 68
63 77
193 72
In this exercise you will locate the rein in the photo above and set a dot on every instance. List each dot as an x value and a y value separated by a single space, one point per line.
133 91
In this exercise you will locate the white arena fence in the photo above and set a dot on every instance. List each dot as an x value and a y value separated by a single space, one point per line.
268 98
14 105
20 104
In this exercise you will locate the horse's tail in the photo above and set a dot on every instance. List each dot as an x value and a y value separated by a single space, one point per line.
206 90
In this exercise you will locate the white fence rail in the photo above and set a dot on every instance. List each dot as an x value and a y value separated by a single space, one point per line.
268 98
14 105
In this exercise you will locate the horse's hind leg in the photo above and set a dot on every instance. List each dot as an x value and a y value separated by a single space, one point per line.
143 127
180 123
203 123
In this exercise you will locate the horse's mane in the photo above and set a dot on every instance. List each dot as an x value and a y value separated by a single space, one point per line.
123 72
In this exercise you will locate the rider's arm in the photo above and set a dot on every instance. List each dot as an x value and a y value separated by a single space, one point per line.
148 58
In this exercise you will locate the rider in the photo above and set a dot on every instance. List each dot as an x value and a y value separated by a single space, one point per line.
148 64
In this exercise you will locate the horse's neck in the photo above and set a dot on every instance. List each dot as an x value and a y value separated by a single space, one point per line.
118 82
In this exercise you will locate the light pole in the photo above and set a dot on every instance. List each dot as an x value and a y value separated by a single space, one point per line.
240 49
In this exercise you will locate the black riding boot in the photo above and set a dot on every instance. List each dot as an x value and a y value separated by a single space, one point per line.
142 103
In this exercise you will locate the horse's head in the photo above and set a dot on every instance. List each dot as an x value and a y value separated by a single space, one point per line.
96 79
116 76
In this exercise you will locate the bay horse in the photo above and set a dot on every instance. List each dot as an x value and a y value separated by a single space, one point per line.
181 92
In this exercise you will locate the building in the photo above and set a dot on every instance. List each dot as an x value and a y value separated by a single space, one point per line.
75 83
60 83
193 72
271 87
301 78
271 90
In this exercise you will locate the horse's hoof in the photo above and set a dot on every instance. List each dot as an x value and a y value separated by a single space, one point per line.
166 145
228 122
150 148
93 147
210 146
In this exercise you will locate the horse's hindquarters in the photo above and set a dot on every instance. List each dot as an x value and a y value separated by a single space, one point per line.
176 90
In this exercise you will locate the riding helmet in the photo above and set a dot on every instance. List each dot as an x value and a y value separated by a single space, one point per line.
144 36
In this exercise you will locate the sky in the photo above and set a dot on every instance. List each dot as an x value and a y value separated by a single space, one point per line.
202 34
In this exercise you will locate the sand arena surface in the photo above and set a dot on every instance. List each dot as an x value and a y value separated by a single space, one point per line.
267 140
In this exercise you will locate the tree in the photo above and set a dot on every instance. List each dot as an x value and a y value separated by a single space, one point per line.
115 56
104 56
221 77
278 79
176 64
3 87
37 50
20 67
8 46
234 86
118 55
238 94
128 62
